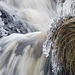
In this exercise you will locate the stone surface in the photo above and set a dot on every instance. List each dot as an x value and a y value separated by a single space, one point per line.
10 24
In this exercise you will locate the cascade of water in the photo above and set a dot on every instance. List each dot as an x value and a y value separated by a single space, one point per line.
22 54
42 10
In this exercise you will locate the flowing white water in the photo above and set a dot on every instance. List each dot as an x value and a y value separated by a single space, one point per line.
40 12
21 54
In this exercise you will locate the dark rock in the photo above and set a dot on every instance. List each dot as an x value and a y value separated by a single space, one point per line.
6 17
12 24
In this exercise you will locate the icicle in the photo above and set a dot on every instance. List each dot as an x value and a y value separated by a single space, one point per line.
47 45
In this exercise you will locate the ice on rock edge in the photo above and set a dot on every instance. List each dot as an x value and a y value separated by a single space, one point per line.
47 44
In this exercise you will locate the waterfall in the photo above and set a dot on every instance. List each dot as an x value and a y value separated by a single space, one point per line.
22 54
26 30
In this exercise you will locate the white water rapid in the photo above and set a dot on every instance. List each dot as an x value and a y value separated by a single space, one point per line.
23 30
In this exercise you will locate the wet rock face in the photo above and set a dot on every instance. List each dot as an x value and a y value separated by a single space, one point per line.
10 24
6 17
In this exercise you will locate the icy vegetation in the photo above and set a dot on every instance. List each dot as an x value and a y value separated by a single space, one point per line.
66 11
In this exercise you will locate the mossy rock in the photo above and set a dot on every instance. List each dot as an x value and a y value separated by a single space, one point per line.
66 46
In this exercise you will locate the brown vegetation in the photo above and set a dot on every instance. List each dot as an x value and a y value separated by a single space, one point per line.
66 46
